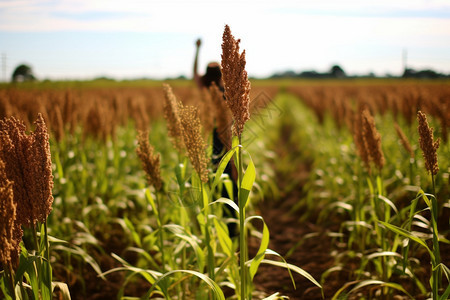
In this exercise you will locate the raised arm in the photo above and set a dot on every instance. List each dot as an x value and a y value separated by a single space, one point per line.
197 77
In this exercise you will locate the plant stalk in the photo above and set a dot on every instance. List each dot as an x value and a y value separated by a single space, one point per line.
208 240
242 243
161 234
436 278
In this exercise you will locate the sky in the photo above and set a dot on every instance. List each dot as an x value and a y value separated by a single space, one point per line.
84 39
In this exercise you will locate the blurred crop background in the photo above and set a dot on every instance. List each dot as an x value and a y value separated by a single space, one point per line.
344 204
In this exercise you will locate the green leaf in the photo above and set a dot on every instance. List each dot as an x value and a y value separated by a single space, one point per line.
213 286
232 204
59 167
205 197
290 267
4 288
25 263
31 272
407 234
256 261
379 185
383 253
83 254
243 196
229 188
221 168
180 173
247 183
63 288
149 275
224 238
445 294
273 297
249 176
182 234
151 201
446 272
369 183
388 202
381 283
145 254
134 234
46 280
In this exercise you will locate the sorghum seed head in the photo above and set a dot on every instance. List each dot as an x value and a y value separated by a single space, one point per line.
171 114
427 143
7 217
404 140
359 140
372 139
28 164
150 161
235 79
193 140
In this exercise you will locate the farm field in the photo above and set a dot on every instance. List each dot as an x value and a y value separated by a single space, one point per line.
340 201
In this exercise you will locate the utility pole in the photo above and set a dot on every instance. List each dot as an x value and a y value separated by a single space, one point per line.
4 67
404 58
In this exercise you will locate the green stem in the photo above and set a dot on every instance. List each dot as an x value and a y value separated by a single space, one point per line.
183 253
35 238
437 257
411 174
242 243
11 276
385 218
37 264
47 258
208 240
9 273
47 243
161 234
358 210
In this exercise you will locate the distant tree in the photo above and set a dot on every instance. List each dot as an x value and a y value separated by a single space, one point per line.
337 72
23 73
422 74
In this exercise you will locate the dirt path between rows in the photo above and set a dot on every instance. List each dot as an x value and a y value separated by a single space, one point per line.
312 254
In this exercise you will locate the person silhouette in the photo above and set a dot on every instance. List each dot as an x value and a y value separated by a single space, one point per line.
213 72
214 75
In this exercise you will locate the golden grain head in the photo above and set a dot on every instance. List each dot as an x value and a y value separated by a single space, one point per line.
359 140
28 164
427 143
171 114
404 140
150 161
195 145
372 139
7 216
235 79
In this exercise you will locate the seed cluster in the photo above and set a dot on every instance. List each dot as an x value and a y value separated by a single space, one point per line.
150 161
427 143
28 164
171 114
26 182
193 140
372 139
359 140
235 79
404 140
8 249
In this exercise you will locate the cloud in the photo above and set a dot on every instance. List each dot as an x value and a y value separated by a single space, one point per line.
292 33
178 15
